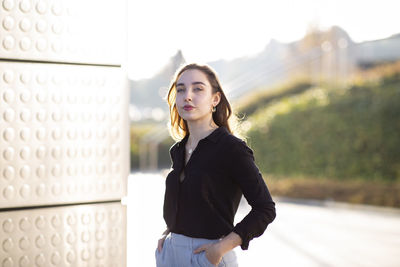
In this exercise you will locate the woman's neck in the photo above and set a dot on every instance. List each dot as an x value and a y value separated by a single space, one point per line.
200 131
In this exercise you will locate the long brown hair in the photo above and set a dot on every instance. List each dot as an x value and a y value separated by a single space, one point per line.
222 116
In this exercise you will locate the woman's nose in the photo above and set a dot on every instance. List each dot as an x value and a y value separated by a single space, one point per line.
188 95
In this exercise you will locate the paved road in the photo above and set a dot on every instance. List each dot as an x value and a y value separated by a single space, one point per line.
302 234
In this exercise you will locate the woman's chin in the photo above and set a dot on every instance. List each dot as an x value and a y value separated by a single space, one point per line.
188 117
193 117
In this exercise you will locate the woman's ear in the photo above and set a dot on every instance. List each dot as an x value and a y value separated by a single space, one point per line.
216 98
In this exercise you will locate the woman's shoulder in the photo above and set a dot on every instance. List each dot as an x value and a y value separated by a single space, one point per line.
231 142
235 149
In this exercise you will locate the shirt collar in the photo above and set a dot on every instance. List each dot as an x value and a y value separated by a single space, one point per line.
214 136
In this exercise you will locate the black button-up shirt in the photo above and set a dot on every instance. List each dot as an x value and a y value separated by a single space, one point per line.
219 171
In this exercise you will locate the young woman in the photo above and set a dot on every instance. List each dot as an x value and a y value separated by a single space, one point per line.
211 169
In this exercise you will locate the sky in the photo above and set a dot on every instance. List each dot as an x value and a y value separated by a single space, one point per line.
209 30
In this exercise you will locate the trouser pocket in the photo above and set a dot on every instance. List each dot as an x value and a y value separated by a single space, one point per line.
207 262
230 259
161 256
200 260
157 256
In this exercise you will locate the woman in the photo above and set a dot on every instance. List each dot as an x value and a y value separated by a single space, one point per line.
211 169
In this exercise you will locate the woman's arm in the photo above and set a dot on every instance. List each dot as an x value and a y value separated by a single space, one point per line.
246 174
228 243
166 232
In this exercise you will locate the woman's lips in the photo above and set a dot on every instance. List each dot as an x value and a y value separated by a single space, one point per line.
187 108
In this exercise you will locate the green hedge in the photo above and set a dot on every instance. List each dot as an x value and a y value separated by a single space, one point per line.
261 98
343 133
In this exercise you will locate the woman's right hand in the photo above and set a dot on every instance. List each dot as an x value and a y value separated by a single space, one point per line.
161 243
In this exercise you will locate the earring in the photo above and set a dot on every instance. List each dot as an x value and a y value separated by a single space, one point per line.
214 109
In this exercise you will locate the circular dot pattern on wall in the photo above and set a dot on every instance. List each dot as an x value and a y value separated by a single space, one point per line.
79 235
63 133
57 30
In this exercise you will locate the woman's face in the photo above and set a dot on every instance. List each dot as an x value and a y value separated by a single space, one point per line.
194 98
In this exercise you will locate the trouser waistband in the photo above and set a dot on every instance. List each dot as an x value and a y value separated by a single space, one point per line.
182 240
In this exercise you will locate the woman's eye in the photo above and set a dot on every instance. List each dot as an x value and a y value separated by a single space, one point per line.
198 89
179 89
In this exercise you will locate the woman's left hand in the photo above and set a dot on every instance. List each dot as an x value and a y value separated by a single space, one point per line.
212 252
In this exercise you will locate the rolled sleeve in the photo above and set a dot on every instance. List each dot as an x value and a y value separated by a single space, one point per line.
245 173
